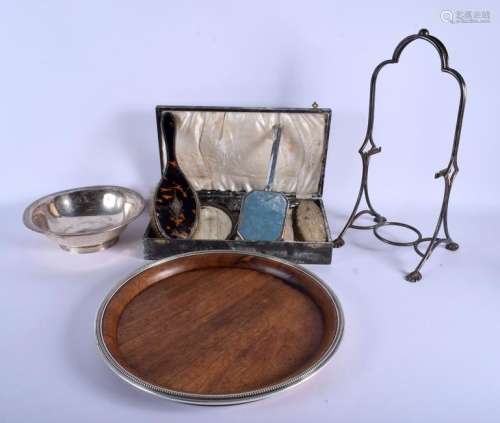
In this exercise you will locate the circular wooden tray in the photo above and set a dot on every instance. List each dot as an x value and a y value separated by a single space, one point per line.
218 327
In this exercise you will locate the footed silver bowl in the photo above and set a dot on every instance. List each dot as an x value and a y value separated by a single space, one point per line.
84 220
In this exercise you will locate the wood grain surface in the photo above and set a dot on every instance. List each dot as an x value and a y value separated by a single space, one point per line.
219 324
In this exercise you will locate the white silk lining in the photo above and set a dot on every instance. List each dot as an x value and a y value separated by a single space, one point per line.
230 150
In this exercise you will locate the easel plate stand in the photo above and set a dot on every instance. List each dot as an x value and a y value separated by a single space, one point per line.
369 148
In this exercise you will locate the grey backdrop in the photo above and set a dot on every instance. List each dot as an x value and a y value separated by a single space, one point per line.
79 82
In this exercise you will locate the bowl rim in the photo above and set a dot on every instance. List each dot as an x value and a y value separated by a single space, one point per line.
28 212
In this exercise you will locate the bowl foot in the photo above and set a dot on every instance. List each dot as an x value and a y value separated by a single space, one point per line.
91 248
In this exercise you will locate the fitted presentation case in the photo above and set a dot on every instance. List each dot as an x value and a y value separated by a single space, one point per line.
224 153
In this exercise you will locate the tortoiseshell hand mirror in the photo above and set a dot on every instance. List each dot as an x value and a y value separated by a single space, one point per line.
176 205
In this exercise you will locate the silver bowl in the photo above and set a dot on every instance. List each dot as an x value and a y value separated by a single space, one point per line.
84 220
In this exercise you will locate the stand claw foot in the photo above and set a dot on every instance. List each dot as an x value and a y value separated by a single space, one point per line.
452 246
337 243
414 276
379 219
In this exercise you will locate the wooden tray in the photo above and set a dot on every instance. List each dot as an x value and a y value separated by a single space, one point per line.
218 327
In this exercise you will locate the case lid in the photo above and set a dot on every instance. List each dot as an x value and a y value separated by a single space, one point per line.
228 148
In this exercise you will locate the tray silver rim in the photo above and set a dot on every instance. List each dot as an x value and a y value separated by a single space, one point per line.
218 399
